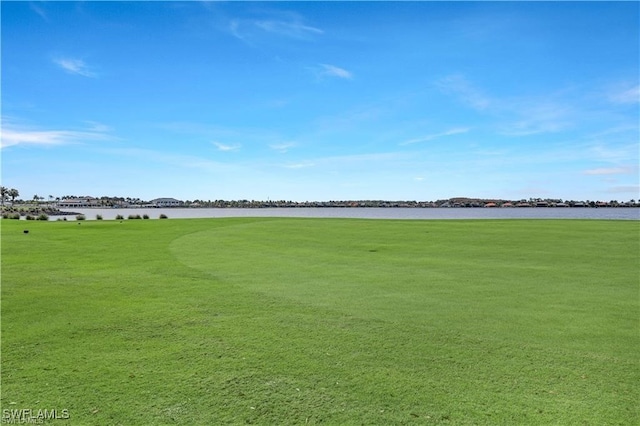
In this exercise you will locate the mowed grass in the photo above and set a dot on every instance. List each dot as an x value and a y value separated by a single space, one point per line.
332 321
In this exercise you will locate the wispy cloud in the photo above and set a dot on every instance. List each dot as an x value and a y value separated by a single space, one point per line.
629 95
39 10
226 147
328 70
75 66
13 135
284 24
459 86
521 116
536 119
282 147
613 154
455 131
633 190
301 165
294 28
611 171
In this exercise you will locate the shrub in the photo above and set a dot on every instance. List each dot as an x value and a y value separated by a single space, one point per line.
136 216
29 217
64 218
146 216
43 216
15 216
81 217
119 217
98 217
164 216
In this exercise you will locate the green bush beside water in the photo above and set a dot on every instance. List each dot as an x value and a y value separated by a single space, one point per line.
334 321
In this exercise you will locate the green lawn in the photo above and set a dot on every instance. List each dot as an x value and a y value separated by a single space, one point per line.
333 321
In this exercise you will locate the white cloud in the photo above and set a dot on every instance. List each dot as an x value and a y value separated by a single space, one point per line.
333 71
618 154
74 66
634 190
610 171
282 147
538 119
427 138
225 147
626 96
294 28
13 135
302 165
40 11
459 86
174 159
523 116
288 25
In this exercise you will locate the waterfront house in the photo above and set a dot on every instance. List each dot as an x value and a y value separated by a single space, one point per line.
166 202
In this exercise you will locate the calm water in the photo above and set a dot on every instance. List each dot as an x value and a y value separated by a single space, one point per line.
630 213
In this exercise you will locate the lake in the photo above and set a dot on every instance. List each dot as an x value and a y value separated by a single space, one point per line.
626 213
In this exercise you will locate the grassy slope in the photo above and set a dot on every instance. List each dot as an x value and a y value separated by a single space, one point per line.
336 321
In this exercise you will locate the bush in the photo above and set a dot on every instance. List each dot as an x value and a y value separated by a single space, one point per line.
164 216
146 216
136 216
98 217
43 216
81 217
29 217
14 216
119 217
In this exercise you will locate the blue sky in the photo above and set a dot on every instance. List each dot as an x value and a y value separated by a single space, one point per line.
321 100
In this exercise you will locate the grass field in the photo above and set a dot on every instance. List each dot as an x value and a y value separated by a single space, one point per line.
333 321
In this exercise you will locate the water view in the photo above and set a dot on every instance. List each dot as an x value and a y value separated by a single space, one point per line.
627 213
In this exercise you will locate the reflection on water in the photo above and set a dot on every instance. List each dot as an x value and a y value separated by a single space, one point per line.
627 213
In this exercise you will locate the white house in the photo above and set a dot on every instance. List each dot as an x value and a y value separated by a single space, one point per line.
166 202
78 202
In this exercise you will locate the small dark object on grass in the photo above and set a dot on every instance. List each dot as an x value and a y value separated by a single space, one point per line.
26 231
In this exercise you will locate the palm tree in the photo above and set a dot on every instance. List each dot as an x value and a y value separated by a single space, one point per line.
13 193
4 192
